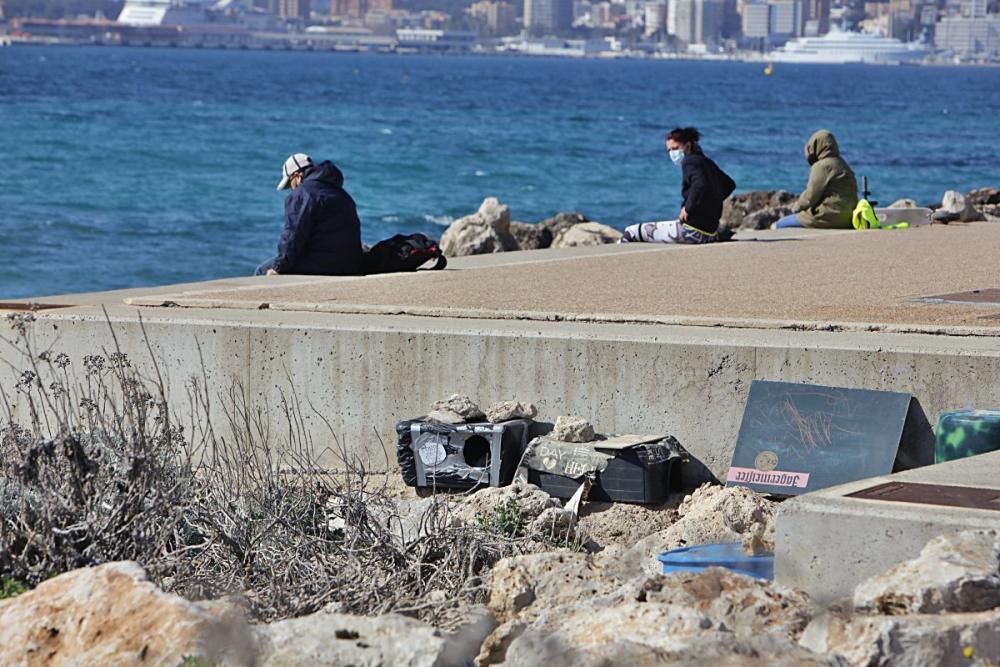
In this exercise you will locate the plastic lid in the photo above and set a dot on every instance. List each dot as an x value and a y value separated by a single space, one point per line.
726 554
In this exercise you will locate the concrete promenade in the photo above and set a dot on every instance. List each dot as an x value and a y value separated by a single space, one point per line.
638 338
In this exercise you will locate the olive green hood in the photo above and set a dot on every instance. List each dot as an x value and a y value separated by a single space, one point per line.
821 145
832 191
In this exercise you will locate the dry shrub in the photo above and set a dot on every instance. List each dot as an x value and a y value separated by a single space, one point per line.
96 468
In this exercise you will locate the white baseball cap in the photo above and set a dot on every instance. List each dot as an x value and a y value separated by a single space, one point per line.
294 163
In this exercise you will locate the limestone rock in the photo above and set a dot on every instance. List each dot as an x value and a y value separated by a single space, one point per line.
531 500
507 410
562 221
572 429
983 196
906 641
737 207
765 217
586 234
113 615
711 514
524 587
904 203
954 573
457 409
332 640
956 202
713 617
531 237
485 231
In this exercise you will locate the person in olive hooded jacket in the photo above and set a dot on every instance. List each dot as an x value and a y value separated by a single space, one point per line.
832 191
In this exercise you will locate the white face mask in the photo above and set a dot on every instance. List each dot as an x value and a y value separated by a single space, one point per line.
677 156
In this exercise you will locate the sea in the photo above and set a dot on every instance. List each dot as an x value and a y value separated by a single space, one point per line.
123 167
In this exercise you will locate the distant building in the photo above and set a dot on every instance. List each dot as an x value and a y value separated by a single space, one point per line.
357 9
655 15
698 21
785 20
294 9
500 17
435 40
771 21
547 17
969 37
815 18
974 9
757 20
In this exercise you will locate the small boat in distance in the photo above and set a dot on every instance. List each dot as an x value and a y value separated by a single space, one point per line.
838 47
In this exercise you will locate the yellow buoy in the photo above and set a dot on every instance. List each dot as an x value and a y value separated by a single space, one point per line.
769 70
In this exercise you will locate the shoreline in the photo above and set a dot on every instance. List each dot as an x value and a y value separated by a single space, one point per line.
747 57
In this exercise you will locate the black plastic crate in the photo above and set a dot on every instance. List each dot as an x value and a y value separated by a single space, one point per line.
629 478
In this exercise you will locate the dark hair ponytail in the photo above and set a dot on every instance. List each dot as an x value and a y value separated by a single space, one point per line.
684 135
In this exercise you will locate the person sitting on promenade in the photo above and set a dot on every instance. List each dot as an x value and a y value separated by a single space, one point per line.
322 233
832 191
704 188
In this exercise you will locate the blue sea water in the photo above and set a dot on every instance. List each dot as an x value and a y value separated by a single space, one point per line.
124 167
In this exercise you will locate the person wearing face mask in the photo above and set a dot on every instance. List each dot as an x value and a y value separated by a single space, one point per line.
704 187
322 233
832 192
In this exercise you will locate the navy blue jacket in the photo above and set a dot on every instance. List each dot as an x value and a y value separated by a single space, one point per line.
322 234
704 188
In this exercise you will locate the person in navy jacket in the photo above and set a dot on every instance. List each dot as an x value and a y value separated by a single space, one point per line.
322 233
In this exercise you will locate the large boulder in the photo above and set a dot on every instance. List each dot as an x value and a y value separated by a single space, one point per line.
907 641
954 573
531 237
572 429
485 231
586 234
712 617
711 514
561 221
983 196
986 201
529 500
507 410
456 409
737 208
113 615
765 217
333 640
956 202
905 202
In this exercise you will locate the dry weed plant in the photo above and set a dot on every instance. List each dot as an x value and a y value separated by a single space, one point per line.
96 468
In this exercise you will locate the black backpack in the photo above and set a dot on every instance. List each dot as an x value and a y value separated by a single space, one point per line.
403 252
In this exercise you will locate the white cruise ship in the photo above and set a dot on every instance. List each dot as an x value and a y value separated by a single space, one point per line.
838 47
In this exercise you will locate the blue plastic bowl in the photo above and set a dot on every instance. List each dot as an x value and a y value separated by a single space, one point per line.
728 555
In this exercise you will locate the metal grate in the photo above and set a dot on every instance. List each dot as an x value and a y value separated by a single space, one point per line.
932 494
28 306
979 297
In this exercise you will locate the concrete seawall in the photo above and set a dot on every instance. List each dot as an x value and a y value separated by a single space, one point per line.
364 372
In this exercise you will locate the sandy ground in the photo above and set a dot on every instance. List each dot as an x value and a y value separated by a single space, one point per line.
860 277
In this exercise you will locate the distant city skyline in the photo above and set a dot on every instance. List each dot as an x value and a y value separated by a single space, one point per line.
962 28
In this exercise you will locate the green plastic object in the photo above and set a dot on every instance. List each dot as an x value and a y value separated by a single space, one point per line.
966 433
